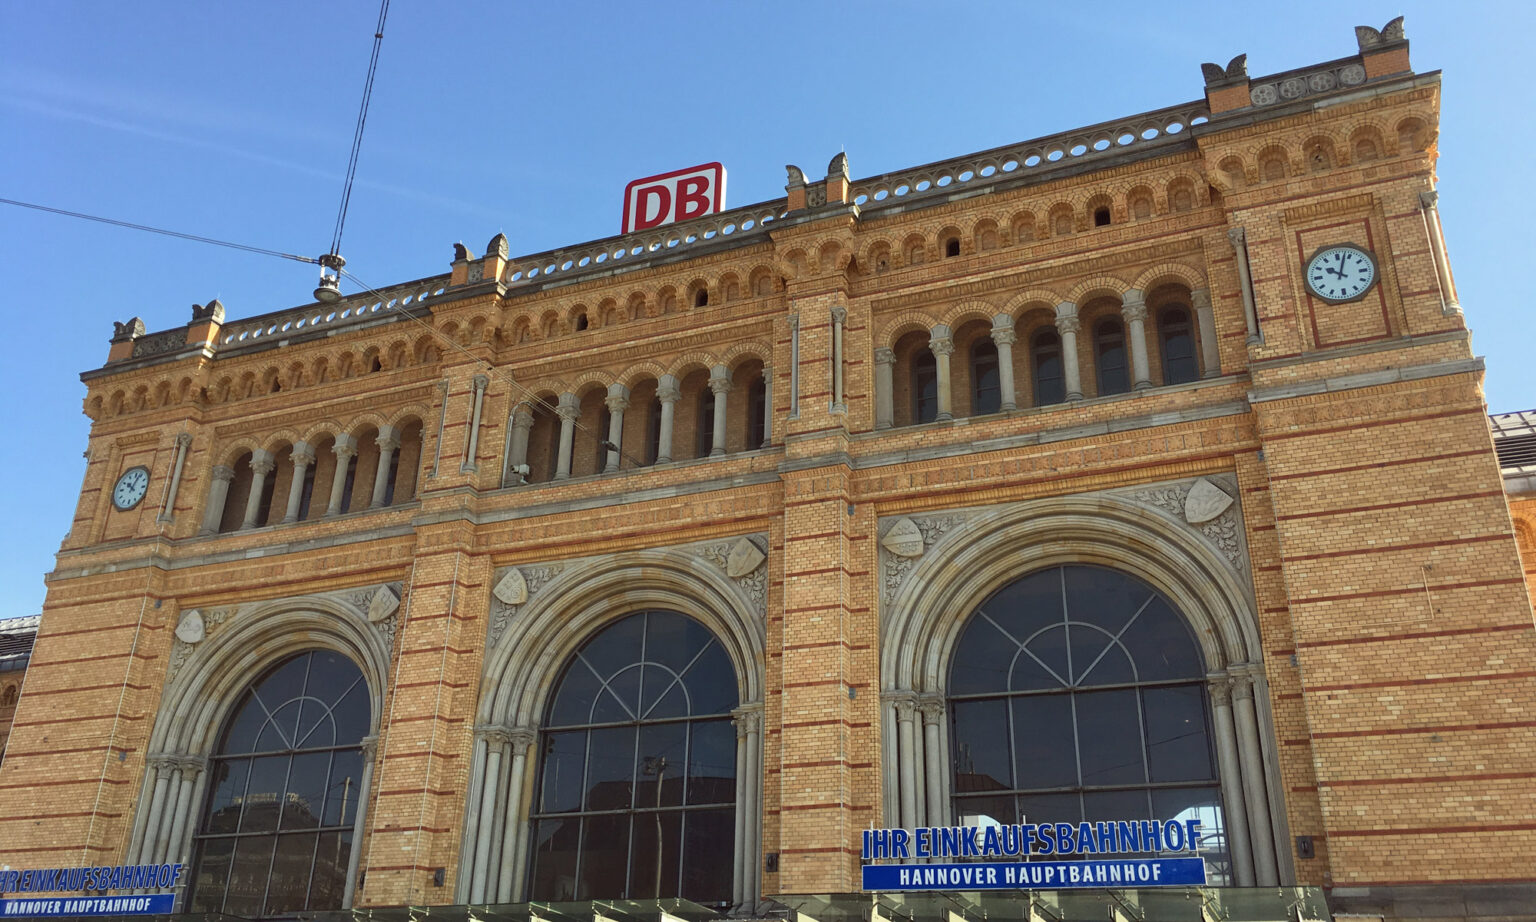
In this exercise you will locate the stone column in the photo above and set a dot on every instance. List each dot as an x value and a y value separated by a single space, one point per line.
767 406
168 514
906 741
1429 203
496 739
517 450
1205 321
167 802
933 726
261 466
1134 309
344 449
839 318
364 788
477 384
568 410
1251 755
1003 337
1067 325
748 721
668 395
794 366
720 384
885 388
514 850
303 456
388 441
739 872
1239 240
192 774
218 493
1230 767
157 778
942 347
618 402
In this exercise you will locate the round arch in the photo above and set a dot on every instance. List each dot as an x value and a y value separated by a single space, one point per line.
521 671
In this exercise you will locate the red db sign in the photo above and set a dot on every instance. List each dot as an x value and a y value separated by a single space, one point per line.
671 197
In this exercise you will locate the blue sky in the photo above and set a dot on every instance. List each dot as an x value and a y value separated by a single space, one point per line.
234 121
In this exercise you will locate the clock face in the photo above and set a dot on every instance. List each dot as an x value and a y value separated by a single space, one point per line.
1341 273
131 488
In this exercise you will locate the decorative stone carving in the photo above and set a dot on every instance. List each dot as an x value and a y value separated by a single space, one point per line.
512 589
189 629
745 558
903 539
1223 529
502 610
383 604
208 623
895 566
1216 75
1205 501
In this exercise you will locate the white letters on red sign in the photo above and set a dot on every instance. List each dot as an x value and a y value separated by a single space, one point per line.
671 197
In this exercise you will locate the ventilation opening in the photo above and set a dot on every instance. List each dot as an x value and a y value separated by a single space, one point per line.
951 248
1516 451
701 299
375 365
581 322
1101 217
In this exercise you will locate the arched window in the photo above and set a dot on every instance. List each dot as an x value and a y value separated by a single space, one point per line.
653 432
1078 694
276 832
1045 356
637 779
986 388
757 406
8 699
1178 346
705 442
604 420
925 387
1109 357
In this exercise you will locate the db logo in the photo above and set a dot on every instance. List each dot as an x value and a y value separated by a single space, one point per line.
671 197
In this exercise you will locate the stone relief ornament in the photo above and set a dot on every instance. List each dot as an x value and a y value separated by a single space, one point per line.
208 622
383 604
1207 506
924 532
189 629
745 557
1205 501
513 588
742 560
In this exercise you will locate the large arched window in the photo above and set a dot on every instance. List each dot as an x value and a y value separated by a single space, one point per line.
637 779
276 832
1078 694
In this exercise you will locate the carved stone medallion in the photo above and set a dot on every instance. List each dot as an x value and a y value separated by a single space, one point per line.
382 604
745 557
190 628
1205 502
904 539
513 588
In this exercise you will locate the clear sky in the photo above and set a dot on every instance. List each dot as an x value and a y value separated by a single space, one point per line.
234 121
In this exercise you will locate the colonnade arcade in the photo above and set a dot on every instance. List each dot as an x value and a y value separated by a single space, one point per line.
928 677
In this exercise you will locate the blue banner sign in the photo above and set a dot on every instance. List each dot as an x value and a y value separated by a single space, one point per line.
1042 875
75 883
1027 843
154 904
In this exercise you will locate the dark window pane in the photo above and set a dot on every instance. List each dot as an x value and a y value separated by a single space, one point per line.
263 794
240 735
282 684
663 765
328 884
1042 741
623 689
1109 357
673 640
1050 808
656 839
616 646
228 795
1103 597
983 659
555 846
304 799
1109 666
352 715
212 874
1163 646
331 676
604 841
574 699
925 387
1115 805
611 769
708 857
1042 664
711 682
1109 738
986 389
1050 385
712 763
277 733
973 811
981 746
1178 345
1177 744
1087 642
291 865
248 876
565 756
342 791
660 696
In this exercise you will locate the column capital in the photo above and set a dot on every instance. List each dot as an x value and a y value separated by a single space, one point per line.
719 380
904 701
1237 236
522 416
568 408
184 440
370 747
1132 296
668 393
1004 336
1201 298
480 382
387 442
164 761
1068 324
1133 311
191 766
618 390
794 322
932 708
747 720
303 455
1065 309
261 462
223 474
1429 198
493 734
1219 686
941 345
616 403
885 355
345 447
1242 685
839 315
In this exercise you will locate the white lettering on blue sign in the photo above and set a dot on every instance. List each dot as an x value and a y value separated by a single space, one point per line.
1110 837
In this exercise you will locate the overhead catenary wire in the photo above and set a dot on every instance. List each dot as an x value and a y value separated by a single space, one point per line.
357 136
196 238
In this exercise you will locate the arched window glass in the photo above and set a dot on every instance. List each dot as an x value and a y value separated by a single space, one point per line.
276 832
1109 357
637 779
604 420
757 405
986 388
1077 694
653 432
705 442
1178 346
925 387
1045 356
